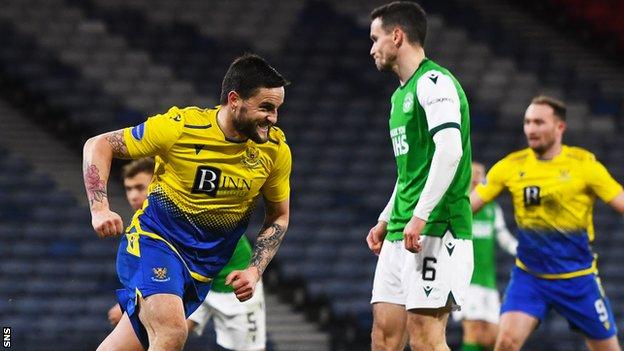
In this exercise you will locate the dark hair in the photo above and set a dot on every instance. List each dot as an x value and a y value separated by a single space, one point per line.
138 166
558 106
247 74
409 16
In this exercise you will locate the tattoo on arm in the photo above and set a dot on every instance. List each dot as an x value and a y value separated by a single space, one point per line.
268 242
118 144
96 188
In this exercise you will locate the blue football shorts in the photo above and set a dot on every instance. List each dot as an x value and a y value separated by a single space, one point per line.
147 266
580 300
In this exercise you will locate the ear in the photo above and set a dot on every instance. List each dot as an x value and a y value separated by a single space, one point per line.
397 36
233 98
562 126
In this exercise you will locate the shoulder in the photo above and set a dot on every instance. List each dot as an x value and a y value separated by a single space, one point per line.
277 136
517 157
196 116
435 85
579 154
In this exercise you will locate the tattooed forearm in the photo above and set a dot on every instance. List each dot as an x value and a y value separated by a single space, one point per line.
96 188
268 242
117 143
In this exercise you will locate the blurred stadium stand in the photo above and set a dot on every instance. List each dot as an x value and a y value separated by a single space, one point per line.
79 67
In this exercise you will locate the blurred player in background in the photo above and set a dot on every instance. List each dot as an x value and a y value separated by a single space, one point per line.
481 309
211 166
239 325
553 188
423 237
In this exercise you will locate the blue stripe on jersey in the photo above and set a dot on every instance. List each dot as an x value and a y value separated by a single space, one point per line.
203 251
554 252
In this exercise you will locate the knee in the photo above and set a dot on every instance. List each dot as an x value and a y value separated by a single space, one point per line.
382 340
507 341
170 336
177 334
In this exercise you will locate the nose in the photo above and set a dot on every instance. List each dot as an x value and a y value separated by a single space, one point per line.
273 117
372 50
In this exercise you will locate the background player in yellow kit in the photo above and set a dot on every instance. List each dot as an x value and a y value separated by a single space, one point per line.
553 188
211 166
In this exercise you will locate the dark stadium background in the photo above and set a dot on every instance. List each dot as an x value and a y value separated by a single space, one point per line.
72 68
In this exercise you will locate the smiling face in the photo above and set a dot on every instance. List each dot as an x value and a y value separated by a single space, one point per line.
384 49
542 128
254 117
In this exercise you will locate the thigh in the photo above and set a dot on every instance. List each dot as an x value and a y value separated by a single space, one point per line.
439 275
162 312
583 303
122 338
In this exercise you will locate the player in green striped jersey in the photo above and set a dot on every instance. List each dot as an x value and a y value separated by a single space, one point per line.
480 312
423 237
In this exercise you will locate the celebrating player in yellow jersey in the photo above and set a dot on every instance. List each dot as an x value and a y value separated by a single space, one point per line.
211 166
553 188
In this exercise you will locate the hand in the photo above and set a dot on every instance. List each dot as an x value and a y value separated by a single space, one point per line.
376 236
243 282
411 234
114 315
106 223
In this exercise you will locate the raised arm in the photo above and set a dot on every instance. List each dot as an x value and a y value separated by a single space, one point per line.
98 152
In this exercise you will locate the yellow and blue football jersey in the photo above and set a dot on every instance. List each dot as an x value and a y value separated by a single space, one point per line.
204 187
553 202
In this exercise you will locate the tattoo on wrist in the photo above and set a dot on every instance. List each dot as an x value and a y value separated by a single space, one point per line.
117 143
268 242
96 188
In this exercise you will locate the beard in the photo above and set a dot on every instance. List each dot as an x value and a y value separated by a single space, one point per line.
543 147
248 127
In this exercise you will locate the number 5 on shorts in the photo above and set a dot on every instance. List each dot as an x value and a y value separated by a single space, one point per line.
429 272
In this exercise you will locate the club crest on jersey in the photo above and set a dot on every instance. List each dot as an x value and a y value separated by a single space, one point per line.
251 159
408 102
160 274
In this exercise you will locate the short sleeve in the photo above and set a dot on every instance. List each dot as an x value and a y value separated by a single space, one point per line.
600 181
438 96
494 182
156 135
277 186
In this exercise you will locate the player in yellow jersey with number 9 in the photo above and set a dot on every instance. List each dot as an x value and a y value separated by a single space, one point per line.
553 188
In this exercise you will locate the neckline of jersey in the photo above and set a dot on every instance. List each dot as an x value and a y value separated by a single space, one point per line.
564 149
420 65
